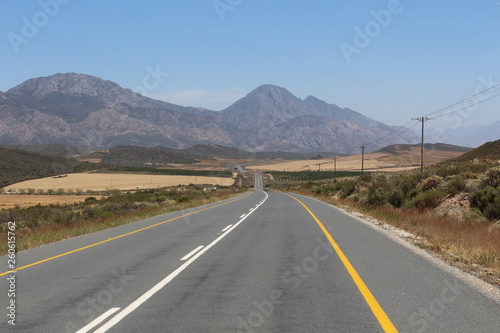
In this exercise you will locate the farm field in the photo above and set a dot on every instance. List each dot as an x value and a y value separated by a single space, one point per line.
119 181
8 201
376 161
348 163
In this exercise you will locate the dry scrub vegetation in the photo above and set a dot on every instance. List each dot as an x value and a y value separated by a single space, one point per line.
38 225
453 209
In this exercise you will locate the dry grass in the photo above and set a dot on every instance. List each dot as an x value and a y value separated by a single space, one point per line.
106 181
21 200
405 160
348 163
474 247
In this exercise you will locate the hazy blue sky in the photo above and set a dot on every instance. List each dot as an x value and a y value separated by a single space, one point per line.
390 60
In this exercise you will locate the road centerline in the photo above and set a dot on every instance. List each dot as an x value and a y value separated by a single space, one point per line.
192 253
229 226
98 320
138 302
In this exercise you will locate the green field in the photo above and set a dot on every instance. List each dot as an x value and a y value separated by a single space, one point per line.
311 175
173 172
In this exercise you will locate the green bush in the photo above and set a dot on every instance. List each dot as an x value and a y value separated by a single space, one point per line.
433 182
377 197
456 185
487 201
493 177
90 200
395 198
427 200
347 188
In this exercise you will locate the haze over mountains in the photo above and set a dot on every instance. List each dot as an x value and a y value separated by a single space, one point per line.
90 113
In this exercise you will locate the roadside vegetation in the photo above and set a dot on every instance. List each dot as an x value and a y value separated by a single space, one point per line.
452 208
38 225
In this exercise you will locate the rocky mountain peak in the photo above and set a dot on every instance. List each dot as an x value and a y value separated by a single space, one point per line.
68 83
92 113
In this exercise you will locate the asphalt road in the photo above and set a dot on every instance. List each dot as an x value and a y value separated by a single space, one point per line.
262 262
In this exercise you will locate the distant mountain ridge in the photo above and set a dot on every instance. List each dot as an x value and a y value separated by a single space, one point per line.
91 113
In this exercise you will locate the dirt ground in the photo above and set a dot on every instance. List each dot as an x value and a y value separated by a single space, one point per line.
102 182
11 200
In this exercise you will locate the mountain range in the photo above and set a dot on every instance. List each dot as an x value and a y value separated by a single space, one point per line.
90 113
473 136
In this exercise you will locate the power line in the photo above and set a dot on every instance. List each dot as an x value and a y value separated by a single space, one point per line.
465 107
404 129
466 99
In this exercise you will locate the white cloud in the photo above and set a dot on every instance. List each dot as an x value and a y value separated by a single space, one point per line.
216 99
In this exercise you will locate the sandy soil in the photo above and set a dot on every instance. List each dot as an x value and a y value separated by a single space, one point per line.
11 200
101 182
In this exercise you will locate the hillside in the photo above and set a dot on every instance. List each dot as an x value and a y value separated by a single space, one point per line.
398 149
50 149
90 113
218 151
140 156
488 151
18 165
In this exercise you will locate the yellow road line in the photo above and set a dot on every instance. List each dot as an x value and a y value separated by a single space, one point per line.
127 234
377 310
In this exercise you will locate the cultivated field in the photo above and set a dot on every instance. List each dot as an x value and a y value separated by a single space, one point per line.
26 200
119 181
372 162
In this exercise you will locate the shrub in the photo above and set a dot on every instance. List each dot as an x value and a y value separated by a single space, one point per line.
377 197
90 200
493 177
347 188
183 198
408 182
428 199
487 201
395 198
430 183
456 185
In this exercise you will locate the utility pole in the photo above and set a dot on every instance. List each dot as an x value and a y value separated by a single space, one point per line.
335 167
362 159
422 120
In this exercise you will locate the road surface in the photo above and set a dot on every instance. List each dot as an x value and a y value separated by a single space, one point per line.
261 262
